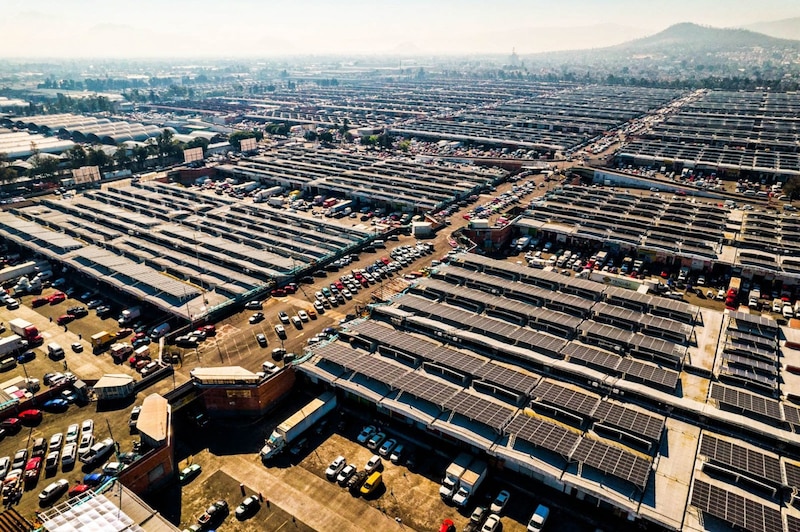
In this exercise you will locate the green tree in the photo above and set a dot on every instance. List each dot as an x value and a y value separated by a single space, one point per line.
97 157
6 174
792 187
141 153
326 137
76 156
310 135
165 144
121 156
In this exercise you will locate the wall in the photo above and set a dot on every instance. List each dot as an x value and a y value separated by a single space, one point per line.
151 471
237 400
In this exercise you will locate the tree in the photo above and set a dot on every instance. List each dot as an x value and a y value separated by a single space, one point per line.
76 156
121 156
310 135
165 143
6 174
98 157
326 136
141 153
792 187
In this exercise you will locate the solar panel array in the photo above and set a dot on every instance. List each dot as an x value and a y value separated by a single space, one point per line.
420 348
508 378
649 373
735 509
482 410
791 414
792 523
746 401
628 368
742 459
544 434
613 461
636 422
426 388
576 401
370 366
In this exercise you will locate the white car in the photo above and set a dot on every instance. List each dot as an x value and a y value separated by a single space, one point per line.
113 468
55 441
68 454
87 427
5 462
72 433
491 524
87 440
373 464
336 466
303 315
500 502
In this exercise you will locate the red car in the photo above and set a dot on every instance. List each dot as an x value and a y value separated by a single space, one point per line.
290 289
78 489
57 297
210 330
33 468
278 292
65 318
447 526
30 416
122 333
11 424
40 301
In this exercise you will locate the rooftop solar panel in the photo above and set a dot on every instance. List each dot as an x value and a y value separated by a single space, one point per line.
508 378
735 509
641 424
743 459
426 388
583 354
791 414
552 393
544 434
482 410
613 461
792 474
746 401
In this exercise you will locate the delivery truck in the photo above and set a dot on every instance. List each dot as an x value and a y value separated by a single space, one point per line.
26 330
288 431
452 476
102 339
129 315
11 345
470 482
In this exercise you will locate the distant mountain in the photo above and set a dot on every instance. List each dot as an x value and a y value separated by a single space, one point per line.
788 28
688 37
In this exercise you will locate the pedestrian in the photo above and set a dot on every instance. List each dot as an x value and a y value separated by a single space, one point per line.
260 497
241 487
51 319
80 336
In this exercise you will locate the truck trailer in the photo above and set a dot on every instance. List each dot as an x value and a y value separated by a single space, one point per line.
470 482
129 314
288 431
13 344
102 339
26 330
452 475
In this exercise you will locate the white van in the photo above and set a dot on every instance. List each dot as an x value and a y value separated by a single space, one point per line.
539 518
378 243
55 351
159 331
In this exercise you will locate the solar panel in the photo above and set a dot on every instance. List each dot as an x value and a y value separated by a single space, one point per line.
791 414
482 410
559 396
339 354
758 365
544 434
648 373
735 509
792 474
792 523
746 401
508 378
613 461
579 353
743 459
638 423
426 388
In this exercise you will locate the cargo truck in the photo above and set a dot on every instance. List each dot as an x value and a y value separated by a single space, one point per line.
452 475
102 339
288 431
470 482
119 352
129 314
12 345
26 330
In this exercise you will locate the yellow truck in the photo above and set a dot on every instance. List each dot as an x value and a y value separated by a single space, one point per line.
102 339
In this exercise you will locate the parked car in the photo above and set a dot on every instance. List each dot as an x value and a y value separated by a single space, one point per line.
335 467
500 502
373 464
386 449
53 491
188 473
248 507
344 475
257 317
261 339
68 455
366 433
376 440
213 513
31 416
492 523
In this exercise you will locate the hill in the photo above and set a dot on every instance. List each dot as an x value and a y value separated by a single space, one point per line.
688 37
788 28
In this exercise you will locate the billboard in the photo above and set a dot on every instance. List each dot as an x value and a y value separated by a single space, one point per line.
248 144
192 154
86 174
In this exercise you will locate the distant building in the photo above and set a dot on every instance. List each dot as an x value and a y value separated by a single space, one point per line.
513 60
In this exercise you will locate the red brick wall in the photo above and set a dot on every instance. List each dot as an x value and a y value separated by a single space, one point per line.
223 401
150 472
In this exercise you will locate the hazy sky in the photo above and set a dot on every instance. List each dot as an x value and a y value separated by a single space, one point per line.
145 28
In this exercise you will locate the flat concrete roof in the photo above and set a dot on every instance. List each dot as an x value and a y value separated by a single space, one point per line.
153 420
